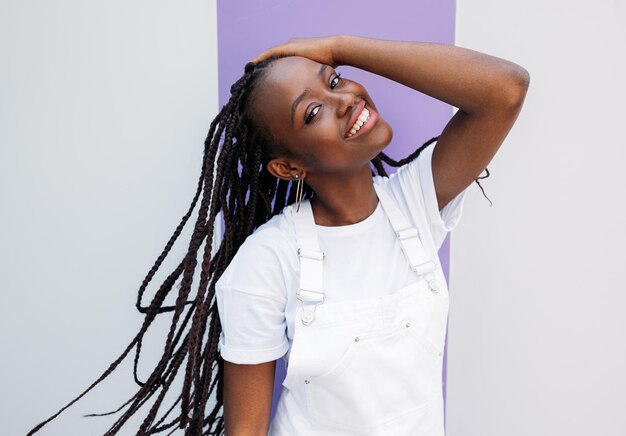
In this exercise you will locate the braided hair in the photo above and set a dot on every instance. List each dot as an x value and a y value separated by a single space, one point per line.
234 180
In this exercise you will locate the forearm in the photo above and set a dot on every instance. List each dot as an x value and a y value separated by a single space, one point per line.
248 390
472 81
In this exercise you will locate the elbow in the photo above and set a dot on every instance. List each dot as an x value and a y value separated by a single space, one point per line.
516 88
507 93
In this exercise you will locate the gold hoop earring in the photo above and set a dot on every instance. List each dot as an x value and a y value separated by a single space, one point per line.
299 192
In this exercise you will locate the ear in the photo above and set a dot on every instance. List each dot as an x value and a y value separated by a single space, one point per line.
283 169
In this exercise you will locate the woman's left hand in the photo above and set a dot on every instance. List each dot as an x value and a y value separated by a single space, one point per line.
319 49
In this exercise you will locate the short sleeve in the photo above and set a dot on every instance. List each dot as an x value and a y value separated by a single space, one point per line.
415 182
251 301
253 327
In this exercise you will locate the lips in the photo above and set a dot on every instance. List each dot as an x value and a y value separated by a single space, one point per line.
353 117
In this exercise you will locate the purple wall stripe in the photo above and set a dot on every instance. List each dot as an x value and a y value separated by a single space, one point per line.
247 27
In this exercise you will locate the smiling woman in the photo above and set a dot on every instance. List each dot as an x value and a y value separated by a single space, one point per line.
326 260
311 110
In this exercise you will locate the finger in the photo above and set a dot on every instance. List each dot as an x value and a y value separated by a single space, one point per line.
275 50
261 57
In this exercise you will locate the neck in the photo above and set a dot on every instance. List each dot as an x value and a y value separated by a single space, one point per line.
343 200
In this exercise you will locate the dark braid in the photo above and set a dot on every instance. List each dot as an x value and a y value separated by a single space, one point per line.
234 181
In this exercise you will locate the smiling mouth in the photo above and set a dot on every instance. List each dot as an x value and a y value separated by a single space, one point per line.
362 119
361 122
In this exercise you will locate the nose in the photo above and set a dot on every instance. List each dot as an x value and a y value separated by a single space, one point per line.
345 102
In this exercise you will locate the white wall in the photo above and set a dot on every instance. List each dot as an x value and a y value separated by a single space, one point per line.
104 109
537 340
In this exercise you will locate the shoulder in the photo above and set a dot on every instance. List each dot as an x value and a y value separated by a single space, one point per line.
262 262
415 172
410 185
275 237
413 188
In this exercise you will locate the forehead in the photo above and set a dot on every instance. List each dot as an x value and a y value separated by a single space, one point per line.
292 73
286 79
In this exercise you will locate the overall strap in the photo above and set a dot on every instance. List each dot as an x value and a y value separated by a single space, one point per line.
311 260
409 239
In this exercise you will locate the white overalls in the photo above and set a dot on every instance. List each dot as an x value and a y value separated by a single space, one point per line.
369 366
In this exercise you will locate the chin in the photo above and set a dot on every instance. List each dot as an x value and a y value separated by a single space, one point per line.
387 136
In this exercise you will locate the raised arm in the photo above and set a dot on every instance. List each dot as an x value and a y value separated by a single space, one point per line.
488 91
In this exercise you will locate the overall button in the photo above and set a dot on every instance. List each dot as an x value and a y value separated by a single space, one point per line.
307 316
434 285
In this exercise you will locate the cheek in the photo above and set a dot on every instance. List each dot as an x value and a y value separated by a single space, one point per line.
385 133
328 126
323 140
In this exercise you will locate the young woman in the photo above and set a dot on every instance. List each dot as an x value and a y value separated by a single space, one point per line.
326 260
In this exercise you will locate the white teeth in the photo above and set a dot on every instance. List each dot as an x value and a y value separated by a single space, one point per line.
362 119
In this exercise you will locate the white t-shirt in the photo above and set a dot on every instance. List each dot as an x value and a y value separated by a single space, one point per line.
256 294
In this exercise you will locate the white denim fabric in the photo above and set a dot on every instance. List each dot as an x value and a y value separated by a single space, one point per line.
367 366
256 293
367 278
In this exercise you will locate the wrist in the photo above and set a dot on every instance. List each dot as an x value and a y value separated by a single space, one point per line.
341 49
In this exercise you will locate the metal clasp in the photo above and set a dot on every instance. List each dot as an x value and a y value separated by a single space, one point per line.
409 232
424 268
311 254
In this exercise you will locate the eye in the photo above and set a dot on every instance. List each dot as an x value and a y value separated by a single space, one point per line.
316 109
338 76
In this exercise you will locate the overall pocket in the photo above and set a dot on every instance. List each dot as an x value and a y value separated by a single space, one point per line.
382 376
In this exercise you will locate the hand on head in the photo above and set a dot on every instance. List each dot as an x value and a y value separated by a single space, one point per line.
320 49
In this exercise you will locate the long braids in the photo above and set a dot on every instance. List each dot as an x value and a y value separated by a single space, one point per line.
234 180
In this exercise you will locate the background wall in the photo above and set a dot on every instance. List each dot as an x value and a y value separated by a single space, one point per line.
537 342
105 107
104 110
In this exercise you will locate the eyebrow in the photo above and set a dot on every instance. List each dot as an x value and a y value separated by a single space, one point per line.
297 101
